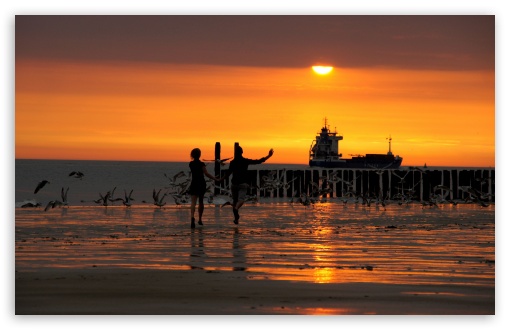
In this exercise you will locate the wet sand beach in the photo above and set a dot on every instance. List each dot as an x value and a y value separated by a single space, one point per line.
134 291
283 258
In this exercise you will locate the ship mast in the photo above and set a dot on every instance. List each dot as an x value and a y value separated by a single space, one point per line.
389 147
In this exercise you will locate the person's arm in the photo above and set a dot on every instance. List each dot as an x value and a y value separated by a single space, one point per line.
263 159
225 176
269 155
207 174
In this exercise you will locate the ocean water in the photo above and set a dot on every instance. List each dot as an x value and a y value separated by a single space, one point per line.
140 177
101 177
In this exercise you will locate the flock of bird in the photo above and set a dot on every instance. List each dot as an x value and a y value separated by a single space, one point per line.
176 188
439 194
178 184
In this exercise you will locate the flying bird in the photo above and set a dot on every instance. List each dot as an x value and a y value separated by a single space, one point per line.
55 203
76 174
127 198
30 204
173 180
220 161
155 195
158 201
103 199
415 168
113 199
63 194
52 204
40 185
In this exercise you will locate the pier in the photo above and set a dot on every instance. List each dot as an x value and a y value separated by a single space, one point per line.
419 183
411 182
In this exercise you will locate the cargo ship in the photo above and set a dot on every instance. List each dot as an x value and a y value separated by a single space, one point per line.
324 152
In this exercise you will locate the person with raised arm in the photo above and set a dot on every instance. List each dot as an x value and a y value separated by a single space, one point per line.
240 179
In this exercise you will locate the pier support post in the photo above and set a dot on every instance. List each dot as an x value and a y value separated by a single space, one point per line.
217 165
490 183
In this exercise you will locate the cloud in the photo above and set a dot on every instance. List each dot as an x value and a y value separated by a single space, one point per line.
264 41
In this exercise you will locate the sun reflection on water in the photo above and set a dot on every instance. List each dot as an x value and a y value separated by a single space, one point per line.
323 275
314 310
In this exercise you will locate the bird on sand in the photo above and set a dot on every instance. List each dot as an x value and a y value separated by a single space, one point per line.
40 185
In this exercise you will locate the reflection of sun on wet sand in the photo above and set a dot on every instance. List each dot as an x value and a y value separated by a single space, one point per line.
283 258
238 253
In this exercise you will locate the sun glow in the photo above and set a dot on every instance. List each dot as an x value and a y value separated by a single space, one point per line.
134 111
322 69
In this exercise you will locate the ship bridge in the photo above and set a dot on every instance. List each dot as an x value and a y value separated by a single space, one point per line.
325 145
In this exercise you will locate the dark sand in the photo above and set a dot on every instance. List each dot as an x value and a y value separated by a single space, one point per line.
122 291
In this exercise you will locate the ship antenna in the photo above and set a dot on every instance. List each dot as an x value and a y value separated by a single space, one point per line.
389 143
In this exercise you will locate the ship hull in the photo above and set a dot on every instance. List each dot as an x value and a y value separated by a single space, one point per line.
358 162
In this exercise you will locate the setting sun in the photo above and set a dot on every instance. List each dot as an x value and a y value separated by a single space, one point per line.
322 69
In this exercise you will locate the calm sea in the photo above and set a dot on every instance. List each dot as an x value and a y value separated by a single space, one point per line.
101 177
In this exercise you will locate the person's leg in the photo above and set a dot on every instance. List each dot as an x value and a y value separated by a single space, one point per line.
235 194
243 192
235 200
239 204
241 196
193 203
200 209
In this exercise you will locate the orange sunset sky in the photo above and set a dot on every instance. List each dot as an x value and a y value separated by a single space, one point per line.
154 87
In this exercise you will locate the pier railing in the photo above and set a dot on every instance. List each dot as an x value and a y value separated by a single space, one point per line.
420 184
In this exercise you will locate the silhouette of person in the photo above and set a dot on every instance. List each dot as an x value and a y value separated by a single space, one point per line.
198 186
197 249
238 253
240 179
